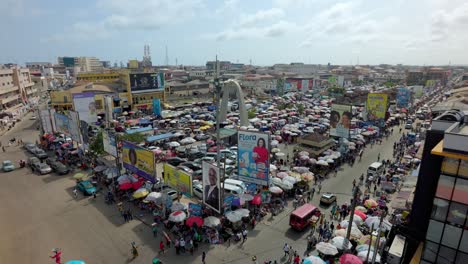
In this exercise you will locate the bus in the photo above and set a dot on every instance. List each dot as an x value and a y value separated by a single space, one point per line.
302 216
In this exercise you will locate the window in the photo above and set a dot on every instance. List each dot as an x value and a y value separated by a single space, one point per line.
430 251
446 255
462 258
457 214
451 236
463 170
439 209
450 166
445 187
434 231
460 193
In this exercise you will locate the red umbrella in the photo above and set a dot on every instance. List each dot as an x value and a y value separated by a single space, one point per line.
137 185
257 200
125 186
360 214
350 259
194 220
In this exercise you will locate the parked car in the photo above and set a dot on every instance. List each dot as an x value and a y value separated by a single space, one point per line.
198 191
197 174
29 147
186 169
327 199
7 166
86 187
42 168
194 156
175 161
191 165
59 167
32 161
200 137
40 153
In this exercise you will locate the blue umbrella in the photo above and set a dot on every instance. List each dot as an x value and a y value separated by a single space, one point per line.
75 262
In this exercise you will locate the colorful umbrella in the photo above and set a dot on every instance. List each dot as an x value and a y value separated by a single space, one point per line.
242 212
194 220
246 197
370 203
361 208
233 217
350 259
339 242
140 193
80 176
177 216
313 260
362 215
257 200
238 201
276 190
125 186
326 248
211 221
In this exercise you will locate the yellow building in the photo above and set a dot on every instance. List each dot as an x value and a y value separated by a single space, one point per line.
142 88
133 64
98 77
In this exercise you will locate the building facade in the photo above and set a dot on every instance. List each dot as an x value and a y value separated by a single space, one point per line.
86 64
16 90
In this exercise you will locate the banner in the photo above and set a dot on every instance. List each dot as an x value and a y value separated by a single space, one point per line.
109 108
157 107
138 160
85 105
403 97
178 179
62 124
46 121
253 157
84 131
376 106
74 125
340 120
109 142
146 82
211 186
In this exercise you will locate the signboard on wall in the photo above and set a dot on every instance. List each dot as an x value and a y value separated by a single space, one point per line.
211 186
146 82
85 105
178 179
46 121
253 157
138 160
340 120
62 124
109 142
74 125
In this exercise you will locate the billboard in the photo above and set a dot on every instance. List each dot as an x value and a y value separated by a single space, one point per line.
46 121
418 91
109 108
178 179
138 160
85 105
60 97
253 157
376 106
74 125
146 82
84 131
211 186
340 120
403 97
62 123
157 107
109 142
305 85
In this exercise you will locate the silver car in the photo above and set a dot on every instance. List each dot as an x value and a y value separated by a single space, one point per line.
42 168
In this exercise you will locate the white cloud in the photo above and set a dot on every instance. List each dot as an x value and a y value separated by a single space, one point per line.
275 30
449 23
260 17
227 7
290 4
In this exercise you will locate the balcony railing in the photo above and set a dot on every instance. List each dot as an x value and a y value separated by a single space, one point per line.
9 99
9 89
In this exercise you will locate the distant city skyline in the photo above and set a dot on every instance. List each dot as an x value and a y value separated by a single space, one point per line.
418 32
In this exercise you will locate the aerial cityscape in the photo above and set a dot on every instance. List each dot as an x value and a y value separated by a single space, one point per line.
200 131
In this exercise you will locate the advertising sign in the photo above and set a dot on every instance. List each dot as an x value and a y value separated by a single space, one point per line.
403 97
376 106
178 179
340 120
157 107
211 186
146 82
418 91
138 160
74 125
109 142
46 121
62 123
85 104
305 86
253 157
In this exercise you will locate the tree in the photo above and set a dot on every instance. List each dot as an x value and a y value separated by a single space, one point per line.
251 113
135 138
97 146
300 109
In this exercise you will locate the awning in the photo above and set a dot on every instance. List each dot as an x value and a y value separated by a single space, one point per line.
139 130
159 137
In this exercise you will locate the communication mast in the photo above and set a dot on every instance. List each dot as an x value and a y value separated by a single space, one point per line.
147 57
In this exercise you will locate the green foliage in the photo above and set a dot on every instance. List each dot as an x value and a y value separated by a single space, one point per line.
97 146
251 113
136 138
389 84
300 109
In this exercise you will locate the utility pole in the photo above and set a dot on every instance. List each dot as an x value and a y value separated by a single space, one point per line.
218 88
356 194
377 243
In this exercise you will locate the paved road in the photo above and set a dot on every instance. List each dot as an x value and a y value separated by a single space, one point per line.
40 213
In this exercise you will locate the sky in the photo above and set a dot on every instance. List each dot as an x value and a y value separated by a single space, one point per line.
416 32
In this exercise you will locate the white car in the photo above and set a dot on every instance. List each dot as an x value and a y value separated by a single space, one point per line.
198 191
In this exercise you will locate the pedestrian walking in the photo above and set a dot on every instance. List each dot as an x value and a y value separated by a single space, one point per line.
182 245
312 193
286 249
3 148
244 235
161 247
203 257
155 229
319 187
134 250
75 192
124 214
129 215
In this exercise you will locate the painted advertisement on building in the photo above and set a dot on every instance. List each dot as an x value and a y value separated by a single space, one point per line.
376 108
157 107
178 179
109 142
85 105
74 125
211 186
62 124
253 157
146 82
340 120
138 160
403 97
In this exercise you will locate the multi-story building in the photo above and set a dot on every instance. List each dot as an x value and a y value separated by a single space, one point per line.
98 77
438 228
415 77
16 89
223 65
297 68
87 64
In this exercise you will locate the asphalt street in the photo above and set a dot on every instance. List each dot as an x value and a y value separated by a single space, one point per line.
40 213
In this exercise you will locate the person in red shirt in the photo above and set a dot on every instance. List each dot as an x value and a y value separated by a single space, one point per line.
161 247
297 259
260 152
57 256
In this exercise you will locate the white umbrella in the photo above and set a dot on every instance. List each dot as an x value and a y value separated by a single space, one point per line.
345 223
211 221
312 161
275 150
282 174
177 216
313 260
304 153
363 255
153 196
242 212
174 144
339 242
280 154
276 189
274 142
326 248
246 197
178 207
322 163
330 161
100 168
233 217
289 179
273 168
